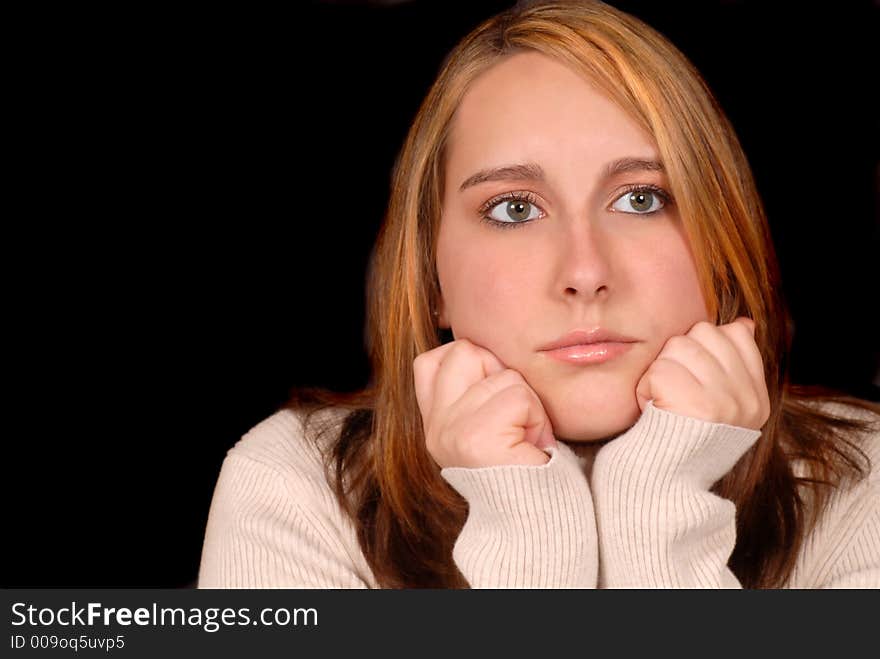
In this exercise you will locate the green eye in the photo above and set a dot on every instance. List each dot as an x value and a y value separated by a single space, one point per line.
512 209
640 201
515 210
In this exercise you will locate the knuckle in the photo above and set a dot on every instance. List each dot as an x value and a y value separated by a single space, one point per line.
465 345
481 388
512 376
752 409
711 408
732 406
467 350
739 328
522 391
726 409
466 448
515 395
659 367
511 392
720 408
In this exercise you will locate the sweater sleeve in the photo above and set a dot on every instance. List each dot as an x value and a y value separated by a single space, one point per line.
263 534
659 525
852 555
527 526
843 549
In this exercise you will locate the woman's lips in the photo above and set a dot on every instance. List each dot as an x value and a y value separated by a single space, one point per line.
589 353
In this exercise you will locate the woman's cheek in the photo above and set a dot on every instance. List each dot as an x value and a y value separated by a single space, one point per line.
493 309
489 286
677 284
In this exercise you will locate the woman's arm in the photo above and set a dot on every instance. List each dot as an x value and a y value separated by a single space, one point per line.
659 525
846 553
843 549
527 526
530 518
269 530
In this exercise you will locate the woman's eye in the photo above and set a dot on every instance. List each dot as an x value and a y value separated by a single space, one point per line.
639 201
514 211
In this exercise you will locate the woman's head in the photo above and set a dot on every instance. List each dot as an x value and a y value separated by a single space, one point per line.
569 90
572 87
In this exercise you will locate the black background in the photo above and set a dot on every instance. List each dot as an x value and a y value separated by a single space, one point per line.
194 201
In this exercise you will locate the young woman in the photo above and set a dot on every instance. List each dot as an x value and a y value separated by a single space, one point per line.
579 352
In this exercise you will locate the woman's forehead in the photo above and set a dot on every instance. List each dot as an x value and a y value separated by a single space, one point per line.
532 108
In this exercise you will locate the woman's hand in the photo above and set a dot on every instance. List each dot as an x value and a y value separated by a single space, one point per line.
713 373
476 412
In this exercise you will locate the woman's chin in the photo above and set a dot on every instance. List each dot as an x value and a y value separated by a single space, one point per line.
589 420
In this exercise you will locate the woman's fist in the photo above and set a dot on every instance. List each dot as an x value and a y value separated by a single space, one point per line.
713 373
476 412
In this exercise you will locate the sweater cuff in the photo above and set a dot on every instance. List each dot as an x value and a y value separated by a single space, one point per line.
507 483
665 446
528 526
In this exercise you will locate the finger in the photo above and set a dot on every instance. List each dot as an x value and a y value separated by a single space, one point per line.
748 322
665 381
480 392
524 454
461 367
742 337
691 354
716 341
425 367
519 408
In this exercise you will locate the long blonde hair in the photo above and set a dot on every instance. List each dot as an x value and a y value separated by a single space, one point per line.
407 516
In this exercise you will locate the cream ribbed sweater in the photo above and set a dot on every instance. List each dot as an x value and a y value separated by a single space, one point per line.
638 513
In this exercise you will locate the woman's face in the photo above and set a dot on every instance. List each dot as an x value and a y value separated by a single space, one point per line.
578 249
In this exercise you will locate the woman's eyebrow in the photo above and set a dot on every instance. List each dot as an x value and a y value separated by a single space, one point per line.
533 172
525 172
625 165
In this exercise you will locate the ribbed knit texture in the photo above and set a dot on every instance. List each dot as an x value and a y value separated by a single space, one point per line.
659 525
641 517
274 521
527 526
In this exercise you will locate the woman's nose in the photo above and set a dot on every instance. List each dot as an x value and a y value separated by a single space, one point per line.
583 264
